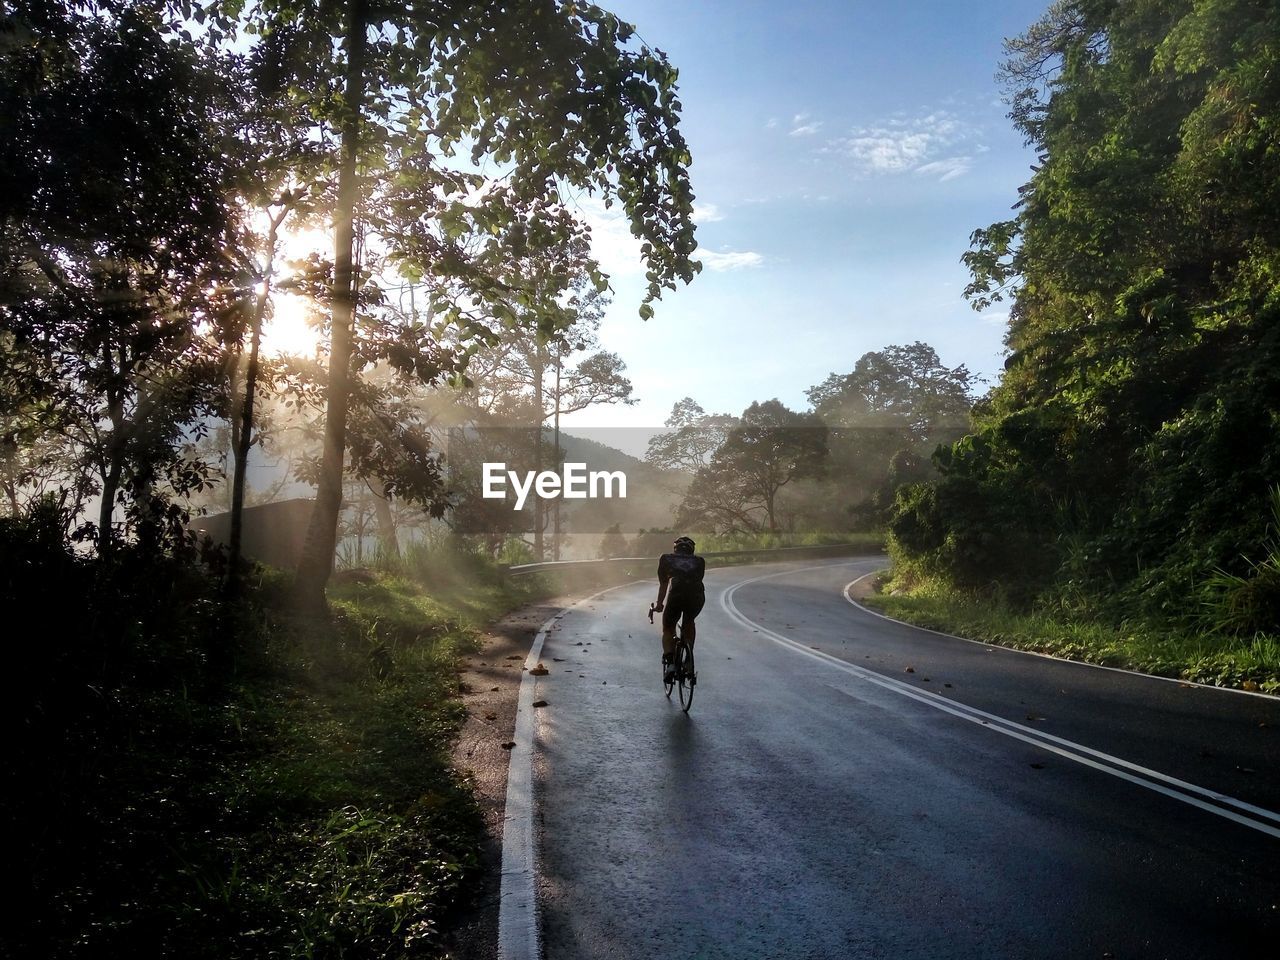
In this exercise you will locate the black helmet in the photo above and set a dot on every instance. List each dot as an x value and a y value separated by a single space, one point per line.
683 545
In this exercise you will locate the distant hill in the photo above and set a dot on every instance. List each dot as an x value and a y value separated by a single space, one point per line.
653 493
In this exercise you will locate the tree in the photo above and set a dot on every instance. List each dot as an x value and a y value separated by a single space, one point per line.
769 448
898 403
903 389
693 438
528 377
552 93
1131 439
612 543
114 254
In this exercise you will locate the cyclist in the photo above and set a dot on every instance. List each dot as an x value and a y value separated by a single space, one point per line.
680 585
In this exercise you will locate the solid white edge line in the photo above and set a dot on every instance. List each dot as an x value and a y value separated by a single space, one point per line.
519 936
1173 781
1046 656
1052 744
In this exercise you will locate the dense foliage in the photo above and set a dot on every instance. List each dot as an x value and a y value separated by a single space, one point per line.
187 777
1124 462
194 770
832 469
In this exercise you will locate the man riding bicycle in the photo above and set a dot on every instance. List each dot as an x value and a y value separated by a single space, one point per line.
680 586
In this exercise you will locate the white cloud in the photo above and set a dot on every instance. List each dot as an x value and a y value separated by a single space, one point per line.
802 126
924 145
619 252
773 122
947 169
612 242
706 213
729 260
883 151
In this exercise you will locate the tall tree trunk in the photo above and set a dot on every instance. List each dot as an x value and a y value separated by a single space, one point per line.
244 439
555 529
316 563
114 469
110 487
386 522
539 507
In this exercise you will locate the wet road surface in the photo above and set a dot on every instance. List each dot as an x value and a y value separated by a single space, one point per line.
820 801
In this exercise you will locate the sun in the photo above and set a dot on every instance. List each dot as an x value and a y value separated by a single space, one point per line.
291 329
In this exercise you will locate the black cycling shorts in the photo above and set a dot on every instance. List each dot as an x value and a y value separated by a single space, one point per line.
681 605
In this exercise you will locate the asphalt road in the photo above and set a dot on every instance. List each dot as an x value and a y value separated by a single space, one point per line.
822 800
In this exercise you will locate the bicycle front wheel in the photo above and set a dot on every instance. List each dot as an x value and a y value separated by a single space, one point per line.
686 677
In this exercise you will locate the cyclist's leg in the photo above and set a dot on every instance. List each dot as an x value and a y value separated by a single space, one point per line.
688 627
670 617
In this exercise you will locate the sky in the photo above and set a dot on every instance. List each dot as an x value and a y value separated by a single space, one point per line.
843 152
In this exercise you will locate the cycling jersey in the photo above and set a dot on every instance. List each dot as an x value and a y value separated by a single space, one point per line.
685 572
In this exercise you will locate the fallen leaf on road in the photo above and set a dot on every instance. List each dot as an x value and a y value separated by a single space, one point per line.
1250 686
515 656
539 703
557 659
539 670
509 745
493 689
1037 766
946 684
491 716
910 670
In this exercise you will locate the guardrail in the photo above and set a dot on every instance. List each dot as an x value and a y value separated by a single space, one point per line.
816 550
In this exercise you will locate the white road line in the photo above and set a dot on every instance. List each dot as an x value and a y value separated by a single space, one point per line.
519 934
1045 656
1150 779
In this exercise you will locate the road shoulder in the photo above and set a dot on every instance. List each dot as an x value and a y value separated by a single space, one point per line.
489 683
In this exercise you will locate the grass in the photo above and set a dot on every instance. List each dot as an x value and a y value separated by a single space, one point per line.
1215 659
356 837
245 781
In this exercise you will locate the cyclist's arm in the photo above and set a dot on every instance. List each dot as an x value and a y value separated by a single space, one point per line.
664 580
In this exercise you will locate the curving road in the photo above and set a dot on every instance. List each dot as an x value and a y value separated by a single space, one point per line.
846 787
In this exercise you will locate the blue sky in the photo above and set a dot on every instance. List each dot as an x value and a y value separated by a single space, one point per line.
843 153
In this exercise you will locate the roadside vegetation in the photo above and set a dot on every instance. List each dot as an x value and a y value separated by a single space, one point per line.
1116 489
196 777
207 761
1192 655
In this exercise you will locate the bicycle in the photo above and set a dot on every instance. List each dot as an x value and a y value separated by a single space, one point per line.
683 675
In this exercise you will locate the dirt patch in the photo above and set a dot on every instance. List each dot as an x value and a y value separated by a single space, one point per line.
490 685
868 586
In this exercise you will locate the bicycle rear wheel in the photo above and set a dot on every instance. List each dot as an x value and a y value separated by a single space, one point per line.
686 677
